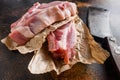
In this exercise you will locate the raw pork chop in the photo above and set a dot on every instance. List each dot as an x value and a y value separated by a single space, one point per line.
61 42
38 17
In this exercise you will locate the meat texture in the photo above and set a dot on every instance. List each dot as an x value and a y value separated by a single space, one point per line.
38 17
62 41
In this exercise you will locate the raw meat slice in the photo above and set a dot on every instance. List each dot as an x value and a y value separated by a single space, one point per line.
40 16
61 42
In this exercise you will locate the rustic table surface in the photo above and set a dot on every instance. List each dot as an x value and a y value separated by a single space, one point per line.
13 66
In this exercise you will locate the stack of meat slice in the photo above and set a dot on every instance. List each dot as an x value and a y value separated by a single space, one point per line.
38 17
61 42
54 29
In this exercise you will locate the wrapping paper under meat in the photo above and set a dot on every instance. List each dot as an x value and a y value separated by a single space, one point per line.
88 51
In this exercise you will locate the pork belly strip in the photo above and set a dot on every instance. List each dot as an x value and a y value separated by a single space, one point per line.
61 42
32 11
18 36
39 17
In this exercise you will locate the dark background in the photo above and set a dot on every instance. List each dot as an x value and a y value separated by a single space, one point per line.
13 65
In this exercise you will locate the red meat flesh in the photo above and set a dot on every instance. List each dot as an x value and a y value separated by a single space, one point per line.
40 16
61 42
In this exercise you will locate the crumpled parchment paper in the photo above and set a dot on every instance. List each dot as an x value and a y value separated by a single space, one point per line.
88 51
